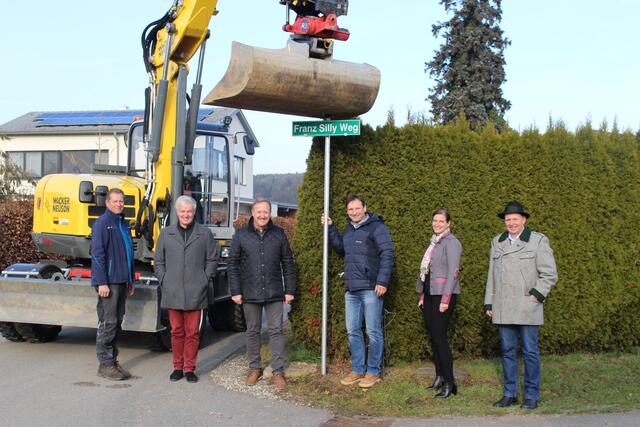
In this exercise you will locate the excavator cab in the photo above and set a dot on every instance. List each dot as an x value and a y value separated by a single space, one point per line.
206 178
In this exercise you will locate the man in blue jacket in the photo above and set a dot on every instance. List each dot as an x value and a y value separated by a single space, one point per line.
112 276
368 262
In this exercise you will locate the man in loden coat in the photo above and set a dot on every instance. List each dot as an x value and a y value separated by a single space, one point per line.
186 257
522 271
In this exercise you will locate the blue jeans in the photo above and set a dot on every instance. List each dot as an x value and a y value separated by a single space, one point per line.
364 305
531 355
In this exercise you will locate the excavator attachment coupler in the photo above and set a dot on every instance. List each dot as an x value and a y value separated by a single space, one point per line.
73 303
288 81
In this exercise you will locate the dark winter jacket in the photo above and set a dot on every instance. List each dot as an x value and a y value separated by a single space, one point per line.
258 264
368 253
111 250
184 268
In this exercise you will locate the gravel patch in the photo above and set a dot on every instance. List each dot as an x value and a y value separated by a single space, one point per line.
232 373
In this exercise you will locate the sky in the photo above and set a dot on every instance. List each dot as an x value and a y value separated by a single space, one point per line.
572 60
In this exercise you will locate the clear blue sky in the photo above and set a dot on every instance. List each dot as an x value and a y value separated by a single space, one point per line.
571 59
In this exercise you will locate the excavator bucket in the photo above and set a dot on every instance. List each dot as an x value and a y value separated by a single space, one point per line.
288 81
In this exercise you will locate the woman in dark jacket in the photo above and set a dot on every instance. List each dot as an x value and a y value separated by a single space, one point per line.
438 286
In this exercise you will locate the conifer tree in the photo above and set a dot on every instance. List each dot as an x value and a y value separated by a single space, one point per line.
469 66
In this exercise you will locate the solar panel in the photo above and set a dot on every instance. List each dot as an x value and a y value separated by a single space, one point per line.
94 118
86 118
204 112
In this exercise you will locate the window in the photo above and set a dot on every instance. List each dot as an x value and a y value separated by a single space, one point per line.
51 162
238 166
77 161
17 158
33 163
102 158
138 160
215 164
40 163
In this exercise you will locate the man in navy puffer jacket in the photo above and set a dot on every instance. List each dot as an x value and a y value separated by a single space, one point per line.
112 276
367 248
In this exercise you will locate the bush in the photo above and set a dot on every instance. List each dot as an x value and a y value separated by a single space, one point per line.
288 224
16 220
582 189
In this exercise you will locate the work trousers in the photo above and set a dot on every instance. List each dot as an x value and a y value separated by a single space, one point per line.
185 338
253 317
110 315
437 326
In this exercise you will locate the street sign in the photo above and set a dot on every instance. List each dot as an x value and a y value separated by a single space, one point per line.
326 128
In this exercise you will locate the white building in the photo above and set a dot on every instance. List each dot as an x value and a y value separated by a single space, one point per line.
44 143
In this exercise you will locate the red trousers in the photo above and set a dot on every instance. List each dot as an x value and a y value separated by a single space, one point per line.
185 338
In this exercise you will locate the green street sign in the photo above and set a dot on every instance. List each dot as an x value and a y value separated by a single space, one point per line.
326 128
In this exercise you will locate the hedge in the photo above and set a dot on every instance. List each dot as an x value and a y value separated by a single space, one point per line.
582 189
16 219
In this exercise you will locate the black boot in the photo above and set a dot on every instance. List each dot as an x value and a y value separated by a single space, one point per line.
447 390
437 383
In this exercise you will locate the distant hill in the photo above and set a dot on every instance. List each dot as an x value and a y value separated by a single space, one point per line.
281 187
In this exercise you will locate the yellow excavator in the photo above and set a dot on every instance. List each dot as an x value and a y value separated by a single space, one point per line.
171 138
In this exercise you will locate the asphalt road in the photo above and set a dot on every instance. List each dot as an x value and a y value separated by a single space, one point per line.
55 384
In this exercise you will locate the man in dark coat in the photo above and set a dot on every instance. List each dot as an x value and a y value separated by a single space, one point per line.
186 258
262 275
368 262
112 276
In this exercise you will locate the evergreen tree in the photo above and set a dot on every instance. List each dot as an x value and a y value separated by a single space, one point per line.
469 66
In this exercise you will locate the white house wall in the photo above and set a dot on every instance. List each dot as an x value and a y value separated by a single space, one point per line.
113 143
243 191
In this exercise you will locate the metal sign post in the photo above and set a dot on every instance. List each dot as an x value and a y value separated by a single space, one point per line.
326 128
325 253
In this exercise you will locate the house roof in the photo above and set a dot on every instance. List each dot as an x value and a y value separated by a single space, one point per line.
217 115
99 121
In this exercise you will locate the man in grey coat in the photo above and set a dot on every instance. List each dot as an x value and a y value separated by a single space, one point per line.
186 258
522 271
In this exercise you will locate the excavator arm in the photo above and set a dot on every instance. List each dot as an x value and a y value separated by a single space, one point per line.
168 44
301 79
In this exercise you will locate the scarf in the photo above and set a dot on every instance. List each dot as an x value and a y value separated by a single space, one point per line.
364 219
426 259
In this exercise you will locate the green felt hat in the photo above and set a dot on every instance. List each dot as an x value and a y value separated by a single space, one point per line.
512 207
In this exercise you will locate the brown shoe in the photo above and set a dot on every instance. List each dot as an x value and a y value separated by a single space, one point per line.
279 381
352 378
126 374
369 381
110 372
253 377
